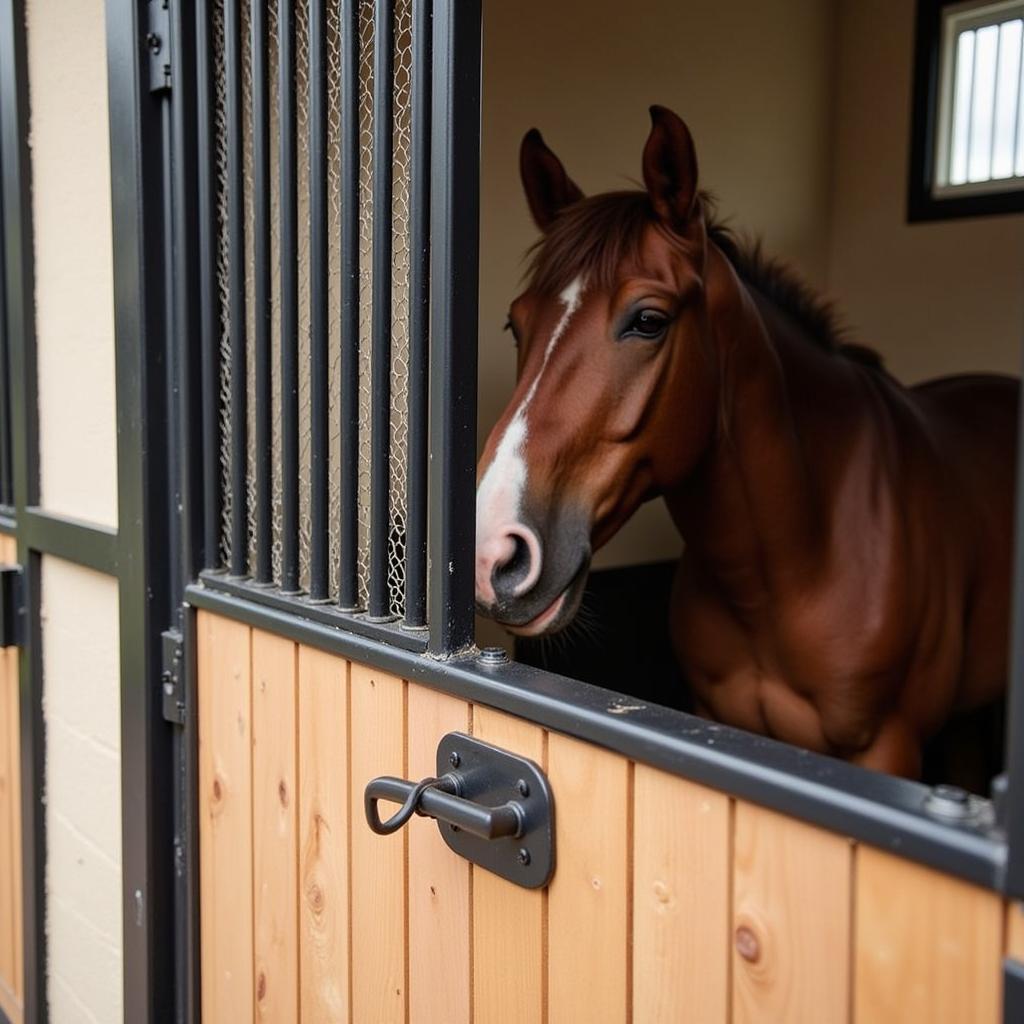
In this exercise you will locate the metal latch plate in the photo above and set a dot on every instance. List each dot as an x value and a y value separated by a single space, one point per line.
11 606
492 777
173 677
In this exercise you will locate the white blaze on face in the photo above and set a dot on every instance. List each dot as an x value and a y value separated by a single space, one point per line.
500 493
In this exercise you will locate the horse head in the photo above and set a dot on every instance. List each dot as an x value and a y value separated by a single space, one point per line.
616 390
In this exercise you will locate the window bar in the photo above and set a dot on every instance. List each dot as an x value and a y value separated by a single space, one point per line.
262 398
995 104
209 316
1017 110
318 294
380 362
970 106
348 584
289 301
455 223
236 286
419 320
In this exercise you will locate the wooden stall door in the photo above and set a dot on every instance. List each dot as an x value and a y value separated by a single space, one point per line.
670 902
11 964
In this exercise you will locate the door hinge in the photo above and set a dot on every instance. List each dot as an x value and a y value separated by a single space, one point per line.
173 677
158 44
12 606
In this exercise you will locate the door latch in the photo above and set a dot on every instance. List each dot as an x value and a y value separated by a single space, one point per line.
492 807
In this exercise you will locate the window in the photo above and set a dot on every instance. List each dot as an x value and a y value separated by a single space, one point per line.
968 135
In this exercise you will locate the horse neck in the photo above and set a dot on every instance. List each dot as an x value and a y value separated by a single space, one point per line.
753 510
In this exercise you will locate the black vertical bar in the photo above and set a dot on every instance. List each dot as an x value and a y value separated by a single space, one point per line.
318 292
148 135
1014 799
236 287
263 570
380 362
419 319
6 490
20 294
455 223
348 584
209 315
289 300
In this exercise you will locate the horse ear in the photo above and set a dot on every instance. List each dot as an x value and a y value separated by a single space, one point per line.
548 188
670 167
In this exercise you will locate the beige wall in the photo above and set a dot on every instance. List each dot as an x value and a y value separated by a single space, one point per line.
585 75
82 715
73 257
936 298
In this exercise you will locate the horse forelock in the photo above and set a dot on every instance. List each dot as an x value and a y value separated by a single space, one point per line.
591 240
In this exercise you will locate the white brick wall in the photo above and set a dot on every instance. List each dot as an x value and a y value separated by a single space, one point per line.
81 709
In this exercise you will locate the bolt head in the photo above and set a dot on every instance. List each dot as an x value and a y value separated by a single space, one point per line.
523 787
493 656
454 759
523 856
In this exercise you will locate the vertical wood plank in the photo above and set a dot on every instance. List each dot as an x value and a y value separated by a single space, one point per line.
324 824
439 899
1015 930
379 988
9 555
791 921
225 818
509 923
10 833
928 947
14 694
275 828
681 875
588 900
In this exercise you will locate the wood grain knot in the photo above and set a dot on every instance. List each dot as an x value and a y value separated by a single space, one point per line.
662 893
218 790
315 898
282 793
261 987
748 945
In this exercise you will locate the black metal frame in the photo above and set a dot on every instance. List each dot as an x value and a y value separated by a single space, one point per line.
922 205
166 560
136 553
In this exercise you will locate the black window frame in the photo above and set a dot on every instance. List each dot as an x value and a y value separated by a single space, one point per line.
922 204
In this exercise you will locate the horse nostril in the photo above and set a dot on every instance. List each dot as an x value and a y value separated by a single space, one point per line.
516 573
518 563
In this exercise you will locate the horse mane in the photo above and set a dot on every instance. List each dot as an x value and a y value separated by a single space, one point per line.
594 236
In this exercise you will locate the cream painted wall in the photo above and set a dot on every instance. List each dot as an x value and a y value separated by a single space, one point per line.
935 298
82 715
71 213
585 75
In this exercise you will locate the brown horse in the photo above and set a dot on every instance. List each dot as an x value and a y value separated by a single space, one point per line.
846 577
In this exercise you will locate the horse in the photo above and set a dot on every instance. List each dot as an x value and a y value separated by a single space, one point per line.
845 581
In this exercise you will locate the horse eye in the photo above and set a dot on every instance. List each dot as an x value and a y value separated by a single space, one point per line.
647 323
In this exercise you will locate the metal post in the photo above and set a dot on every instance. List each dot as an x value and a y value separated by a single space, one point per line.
380 363
289 299
455 222
419 319
348 586
318 292
262 571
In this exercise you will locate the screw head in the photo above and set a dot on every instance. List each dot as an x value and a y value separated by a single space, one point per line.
154 42
949 802
454 759
523 787
523 856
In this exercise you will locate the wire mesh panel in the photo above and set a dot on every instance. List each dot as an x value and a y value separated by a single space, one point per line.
312 128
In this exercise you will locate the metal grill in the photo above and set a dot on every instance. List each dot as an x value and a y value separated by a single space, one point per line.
280 95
